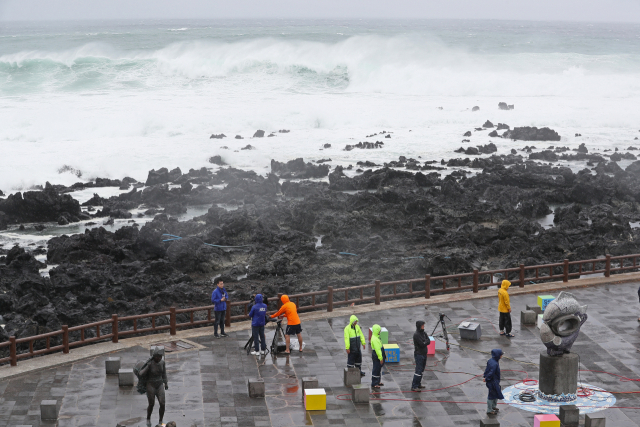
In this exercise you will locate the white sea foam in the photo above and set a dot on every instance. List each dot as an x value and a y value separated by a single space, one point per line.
111 110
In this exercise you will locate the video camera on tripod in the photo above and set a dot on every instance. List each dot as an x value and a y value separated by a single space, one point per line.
278 344
441 322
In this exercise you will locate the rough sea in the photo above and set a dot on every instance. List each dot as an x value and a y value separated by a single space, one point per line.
115 99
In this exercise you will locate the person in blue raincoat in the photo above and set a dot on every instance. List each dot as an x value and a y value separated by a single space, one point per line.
492 379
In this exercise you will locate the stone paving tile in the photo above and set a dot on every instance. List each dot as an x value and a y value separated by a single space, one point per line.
208 387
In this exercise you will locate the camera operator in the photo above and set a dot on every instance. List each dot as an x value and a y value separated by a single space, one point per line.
290 311
258 314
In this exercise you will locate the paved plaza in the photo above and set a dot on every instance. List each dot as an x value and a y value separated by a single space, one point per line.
208 385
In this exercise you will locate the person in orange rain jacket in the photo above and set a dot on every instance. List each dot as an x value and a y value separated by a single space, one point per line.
290 311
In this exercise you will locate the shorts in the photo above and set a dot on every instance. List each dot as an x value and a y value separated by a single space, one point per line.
294 329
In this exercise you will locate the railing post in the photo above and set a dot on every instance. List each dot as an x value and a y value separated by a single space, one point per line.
330 298
427 286
114 328
565 277
377 293
13 352
522 275
279 301
172 321
65 339
607 269
227 316
475 280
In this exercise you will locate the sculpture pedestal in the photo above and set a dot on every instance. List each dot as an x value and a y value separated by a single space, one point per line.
558 374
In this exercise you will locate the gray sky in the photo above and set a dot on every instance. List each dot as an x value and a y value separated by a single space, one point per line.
565 10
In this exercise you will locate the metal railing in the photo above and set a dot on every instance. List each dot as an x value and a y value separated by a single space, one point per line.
175 319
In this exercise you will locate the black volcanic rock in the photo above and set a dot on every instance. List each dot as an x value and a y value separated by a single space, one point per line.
162 176
546 155
258 134
532 134
299 169
39 206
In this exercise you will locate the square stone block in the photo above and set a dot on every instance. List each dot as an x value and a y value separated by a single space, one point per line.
126 378
472 331
535 308
309 382
315 399
539 321
360 393
393 352
351 376
431 348
528 317
112 365
489 422
546 420
595 420
256 387
49 410
153 347
384 335
569 416
544 300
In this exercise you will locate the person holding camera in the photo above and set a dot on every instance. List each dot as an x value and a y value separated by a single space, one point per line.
219 298
290 311
258 315
353 337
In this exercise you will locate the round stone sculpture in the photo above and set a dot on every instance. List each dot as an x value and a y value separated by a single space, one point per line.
562 318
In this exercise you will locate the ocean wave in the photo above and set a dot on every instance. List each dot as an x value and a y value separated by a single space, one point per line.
372 64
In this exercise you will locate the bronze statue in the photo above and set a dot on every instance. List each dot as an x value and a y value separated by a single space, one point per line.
154 373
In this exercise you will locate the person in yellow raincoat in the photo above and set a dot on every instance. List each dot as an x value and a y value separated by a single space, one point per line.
504 307
353 337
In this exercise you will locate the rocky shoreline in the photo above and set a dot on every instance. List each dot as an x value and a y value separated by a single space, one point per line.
284 232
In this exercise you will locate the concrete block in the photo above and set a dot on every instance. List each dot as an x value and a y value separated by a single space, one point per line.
470 331
392 352
595 420
546 420
153 347
360 393
256 387
528 317
544 300
539 321
431 348
489 422
315 399
384 335
569 415
112 365
535 309
558 374
352 376
126 378
309 382
49 410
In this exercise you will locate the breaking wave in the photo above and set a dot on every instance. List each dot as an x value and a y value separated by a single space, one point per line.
416 65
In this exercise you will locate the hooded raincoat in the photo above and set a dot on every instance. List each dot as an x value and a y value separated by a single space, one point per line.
421 340
504 304
289 310
376 343
492 375
353 334
258 312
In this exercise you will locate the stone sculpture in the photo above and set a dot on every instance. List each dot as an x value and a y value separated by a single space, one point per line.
562 318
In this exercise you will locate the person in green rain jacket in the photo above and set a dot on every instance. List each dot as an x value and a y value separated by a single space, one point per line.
378 357
353 337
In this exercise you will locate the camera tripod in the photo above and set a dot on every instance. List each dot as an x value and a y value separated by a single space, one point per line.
277 344
444 328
